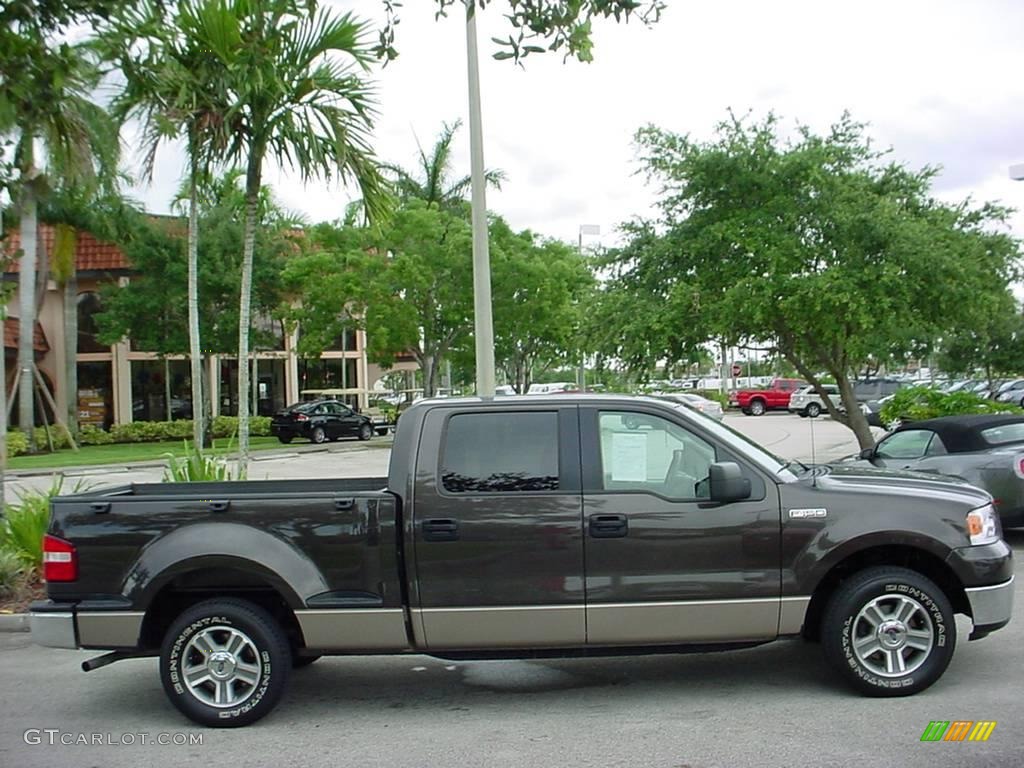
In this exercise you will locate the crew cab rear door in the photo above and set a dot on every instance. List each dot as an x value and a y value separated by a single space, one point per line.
664 565
497 529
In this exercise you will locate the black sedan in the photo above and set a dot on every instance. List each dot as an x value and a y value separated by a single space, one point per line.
320 421
986 450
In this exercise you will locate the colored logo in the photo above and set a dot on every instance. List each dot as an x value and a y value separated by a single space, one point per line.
958 730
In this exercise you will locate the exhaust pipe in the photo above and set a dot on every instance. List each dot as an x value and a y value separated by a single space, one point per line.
108 658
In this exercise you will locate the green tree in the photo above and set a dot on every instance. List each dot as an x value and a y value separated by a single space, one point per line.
815 243
432 180
537 25
994 345
541 289
297 90
45 102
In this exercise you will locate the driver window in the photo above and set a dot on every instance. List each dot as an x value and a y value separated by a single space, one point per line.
909 444
641 452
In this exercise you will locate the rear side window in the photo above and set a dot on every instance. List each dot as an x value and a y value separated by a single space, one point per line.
1004 433
501 452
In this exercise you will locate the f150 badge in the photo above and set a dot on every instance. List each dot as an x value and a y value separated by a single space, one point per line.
799 514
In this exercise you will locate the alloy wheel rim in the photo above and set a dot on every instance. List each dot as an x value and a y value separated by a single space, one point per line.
221 667
892 635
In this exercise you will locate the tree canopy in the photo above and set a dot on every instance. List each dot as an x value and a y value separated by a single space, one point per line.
816 244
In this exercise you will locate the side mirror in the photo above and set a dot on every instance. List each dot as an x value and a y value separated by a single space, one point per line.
727 482
867 453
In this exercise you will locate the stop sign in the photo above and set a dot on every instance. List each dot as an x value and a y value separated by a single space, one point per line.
736 369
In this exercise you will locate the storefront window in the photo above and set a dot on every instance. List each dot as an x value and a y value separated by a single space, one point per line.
152 381
88 307
269 382
95 394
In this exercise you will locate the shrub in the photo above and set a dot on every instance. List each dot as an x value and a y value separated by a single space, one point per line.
57 435
25 523
227 426
916 403
198 467
12 572
713 394
16 443
90 434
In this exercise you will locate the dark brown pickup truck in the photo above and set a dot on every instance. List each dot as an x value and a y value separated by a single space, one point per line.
512 527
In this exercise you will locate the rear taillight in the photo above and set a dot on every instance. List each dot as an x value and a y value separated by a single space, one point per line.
60 559
301 417
1018 466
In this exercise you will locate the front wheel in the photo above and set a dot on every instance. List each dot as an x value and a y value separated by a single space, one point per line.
365 432
225 663
889 632
318 435
813 410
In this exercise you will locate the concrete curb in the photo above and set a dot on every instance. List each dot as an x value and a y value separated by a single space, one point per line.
13 622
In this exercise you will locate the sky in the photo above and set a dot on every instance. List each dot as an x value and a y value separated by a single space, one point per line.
941 82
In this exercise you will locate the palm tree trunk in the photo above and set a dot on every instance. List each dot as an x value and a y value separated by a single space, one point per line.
27 291
195 353
252 192
71 350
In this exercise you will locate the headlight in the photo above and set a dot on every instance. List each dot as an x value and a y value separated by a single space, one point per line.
983 525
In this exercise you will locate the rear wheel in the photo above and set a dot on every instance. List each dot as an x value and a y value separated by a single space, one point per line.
318 435
757 408
889 632
225 663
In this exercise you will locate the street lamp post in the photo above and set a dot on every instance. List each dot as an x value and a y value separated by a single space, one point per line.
593 230
483 325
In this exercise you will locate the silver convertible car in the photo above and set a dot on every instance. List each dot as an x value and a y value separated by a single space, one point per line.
986 450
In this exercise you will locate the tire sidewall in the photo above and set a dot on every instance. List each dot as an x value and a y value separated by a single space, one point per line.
274 658
839 644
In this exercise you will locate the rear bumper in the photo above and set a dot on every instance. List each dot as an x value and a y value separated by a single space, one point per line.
53 625
991 607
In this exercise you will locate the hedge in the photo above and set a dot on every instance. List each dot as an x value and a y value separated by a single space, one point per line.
136 432
916 403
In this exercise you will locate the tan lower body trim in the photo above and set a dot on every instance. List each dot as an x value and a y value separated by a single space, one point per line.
791 614
535 626
692 621
109 629
368 629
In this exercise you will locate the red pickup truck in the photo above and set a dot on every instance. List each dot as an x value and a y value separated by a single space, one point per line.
755 402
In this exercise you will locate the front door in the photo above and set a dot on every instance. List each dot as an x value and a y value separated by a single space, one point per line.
664 564
497 529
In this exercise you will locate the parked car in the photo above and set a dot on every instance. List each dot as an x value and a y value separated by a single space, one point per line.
807 401
699 403
320 421
876 388
560 525
985 450
755 402
1012 392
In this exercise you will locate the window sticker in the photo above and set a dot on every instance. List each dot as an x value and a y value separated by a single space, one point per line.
629 457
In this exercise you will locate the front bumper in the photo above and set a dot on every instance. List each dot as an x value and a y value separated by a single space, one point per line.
53 625
991 607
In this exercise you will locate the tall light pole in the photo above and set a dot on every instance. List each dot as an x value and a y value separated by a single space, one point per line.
483 324
594 230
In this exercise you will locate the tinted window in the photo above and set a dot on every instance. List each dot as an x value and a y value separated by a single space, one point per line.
501 452
1004 433
641 452
911 444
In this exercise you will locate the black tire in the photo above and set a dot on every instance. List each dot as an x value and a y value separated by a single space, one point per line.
301 662
746 411
318 435
365 431
813 410
382 431
285 438
266 648
802 414
888 588
757 407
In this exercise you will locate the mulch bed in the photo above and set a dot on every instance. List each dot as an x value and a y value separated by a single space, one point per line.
18 602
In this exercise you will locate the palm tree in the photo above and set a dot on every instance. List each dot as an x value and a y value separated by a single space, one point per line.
296 80
174 88
432 180
46 103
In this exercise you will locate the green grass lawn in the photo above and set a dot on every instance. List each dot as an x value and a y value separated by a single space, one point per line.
120 453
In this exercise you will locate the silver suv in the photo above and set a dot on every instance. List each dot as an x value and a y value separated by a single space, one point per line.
807 402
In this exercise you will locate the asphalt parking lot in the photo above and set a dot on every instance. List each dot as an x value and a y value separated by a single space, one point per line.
776 705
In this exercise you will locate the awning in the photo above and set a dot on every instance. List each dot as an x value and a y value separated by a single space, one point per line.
11 336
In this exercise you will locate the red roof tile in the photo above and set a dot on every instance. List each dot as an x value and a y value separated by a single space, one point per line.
90 254
11 336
